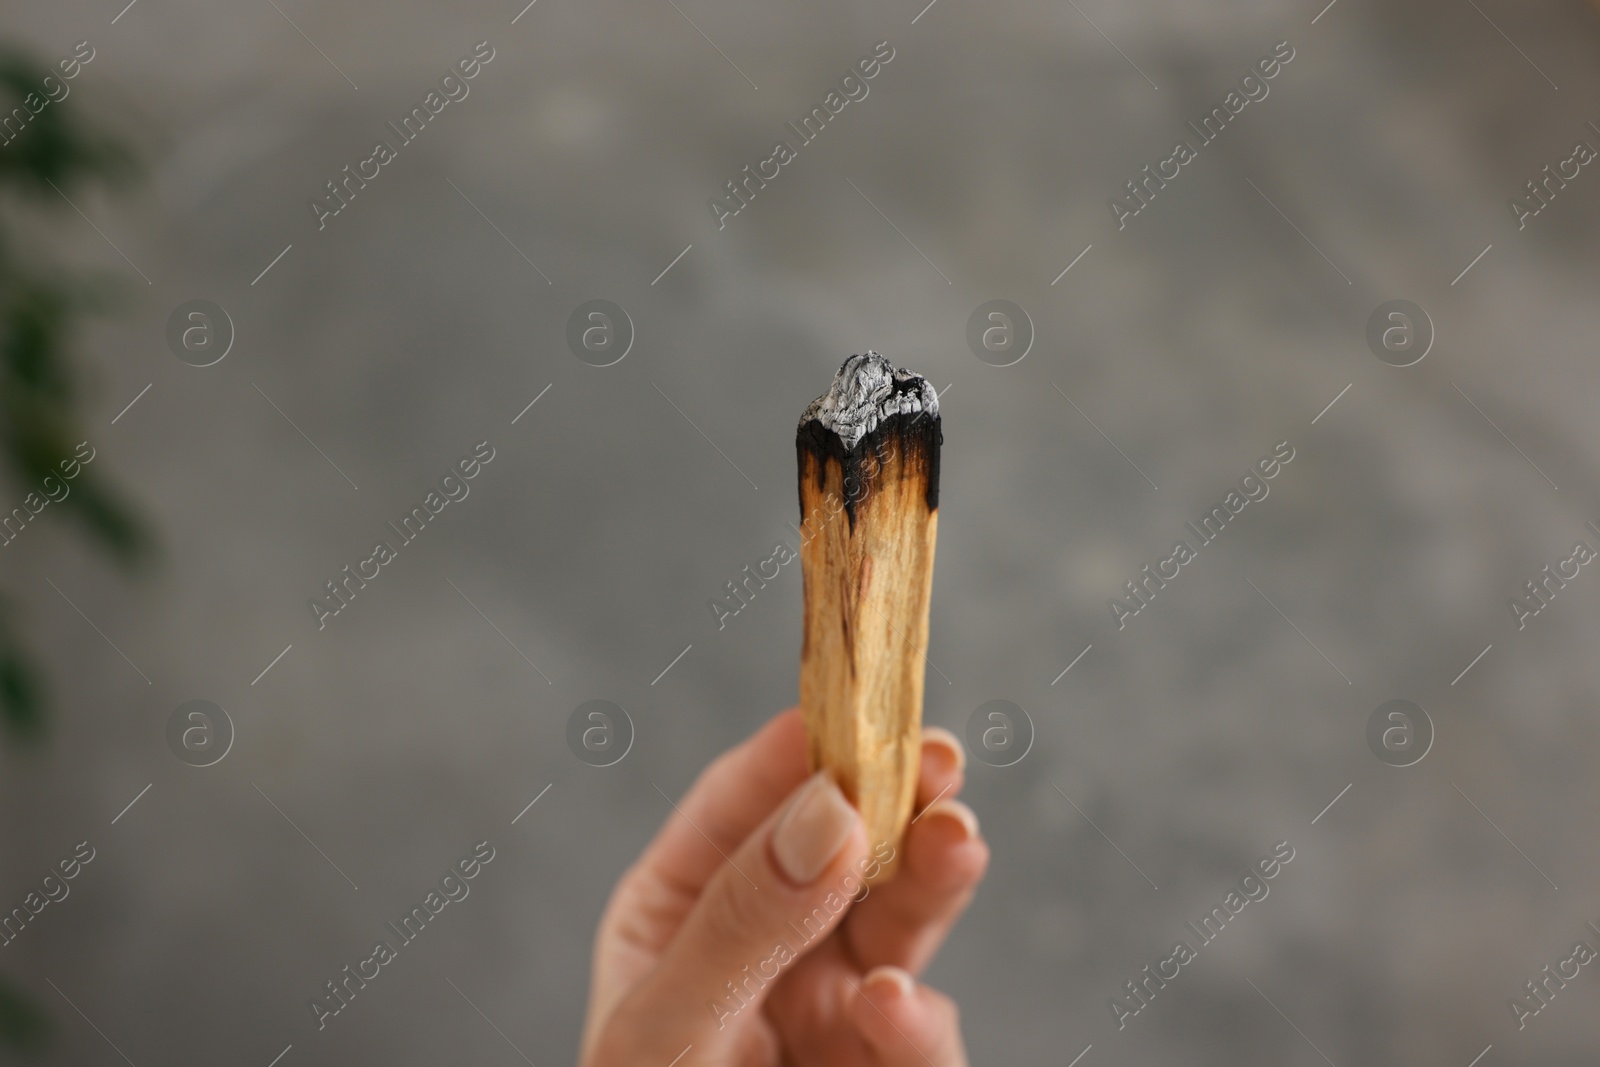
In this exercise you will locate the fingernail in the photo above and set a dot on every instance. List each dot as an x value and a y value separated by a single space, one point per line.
937 737
958 813
813 830
885 978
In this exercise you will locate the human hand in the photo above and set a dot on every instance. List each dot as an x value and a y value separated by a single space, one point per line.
734 937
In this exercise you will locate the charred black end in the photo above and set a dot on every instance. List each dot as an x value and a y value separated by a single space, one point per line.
915 438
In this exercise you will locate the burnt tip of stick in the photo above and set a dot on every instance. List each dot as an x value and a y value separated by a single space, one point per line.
867 390
871 410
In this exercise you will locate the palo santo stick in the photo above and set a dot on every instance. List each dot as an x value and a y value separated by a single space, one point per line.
868 453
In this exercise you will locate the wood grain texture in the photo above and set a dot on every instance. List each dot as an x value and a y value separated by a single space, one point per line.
868 576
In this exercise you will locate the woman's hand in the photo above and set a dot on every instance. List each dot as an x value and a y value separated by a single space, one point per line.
734 940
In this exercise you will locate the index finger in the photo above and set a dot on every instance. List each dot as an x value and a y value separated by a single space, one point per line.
732 797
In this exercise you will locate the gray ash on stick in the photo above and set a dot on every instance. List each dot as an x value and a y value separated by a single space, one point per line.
873 410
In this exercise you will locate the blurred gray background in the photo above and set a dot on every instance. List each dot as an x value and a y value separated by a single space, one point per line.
1223 319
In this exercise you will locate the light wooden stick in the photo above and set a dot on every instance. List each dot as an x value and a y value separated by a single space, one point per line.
868 454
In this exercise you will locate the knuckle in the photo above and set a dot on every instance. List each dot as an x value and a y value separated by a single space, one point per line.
948 1010
733 914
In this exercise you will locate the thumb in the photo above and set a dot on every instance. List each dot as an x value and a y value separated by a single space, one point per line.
780 894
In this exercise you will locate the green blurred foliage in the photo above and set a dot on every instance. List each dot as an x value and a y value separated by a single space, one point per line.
54 153
54 146
22 1025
